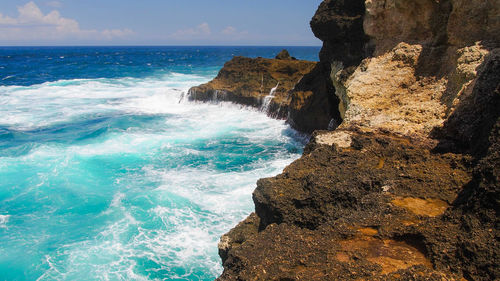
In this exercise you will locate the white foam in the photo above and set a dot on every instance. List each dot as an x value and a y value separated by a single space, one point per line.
267 99
188 208
117 198
4 219
26 108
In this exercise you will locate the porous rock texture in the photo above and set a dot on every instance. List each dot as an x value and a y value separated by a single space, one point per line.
407 187
248 81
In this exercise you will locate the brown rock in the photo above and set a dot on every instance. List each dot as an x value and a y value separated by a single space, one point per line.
248 81
313 103
284 55
332 214
339 24
408 186
236 236
422 67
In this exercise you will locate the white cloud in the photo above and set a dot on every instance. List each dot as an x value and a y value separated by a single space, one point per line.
231 33
203 28
229 30
32 24
201 31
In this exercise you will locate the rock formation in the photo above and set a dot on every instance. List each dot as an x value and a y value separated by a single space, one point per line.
407 185
284 55
260 82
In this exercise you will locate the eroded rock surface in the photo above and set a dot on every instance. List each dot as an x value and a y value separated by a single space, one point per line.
366 211
407 185
400 66
314 103
380 208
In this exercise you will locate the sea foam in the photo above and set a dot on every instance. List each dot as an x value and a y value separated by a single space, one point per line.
115 179
3 220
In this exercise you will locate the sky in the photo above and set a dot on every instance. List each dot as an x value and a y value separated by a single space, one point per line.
157 22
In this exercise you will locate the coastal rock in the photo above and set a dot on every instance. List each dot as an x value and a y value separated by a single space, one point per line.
407 186
284 55
379 207
339 24
260 82
235 237
421 68
400 66
313 105
314 102
366 211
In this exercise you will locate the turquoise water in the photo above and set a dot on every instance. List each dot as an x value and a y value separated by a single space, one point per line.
115 178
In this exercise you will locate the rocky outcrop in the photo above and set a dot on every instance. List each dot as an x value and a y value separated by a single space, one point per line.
260 82
313 105
367 210
398 65
284 55
339 24
407 185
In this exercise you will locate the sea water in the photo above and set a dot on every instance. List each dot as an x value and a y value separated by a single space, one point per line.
106 175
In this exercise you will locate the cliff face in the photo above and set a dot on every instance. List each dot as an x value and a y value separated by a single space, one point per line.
249 82
407 185
339 24
402 66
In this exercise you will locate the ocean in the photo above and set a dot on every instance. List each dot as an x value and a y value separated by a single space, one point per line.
107 174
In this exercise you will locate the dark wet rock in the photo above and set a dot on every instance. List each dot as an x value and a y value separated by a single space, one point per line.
313 103
316 189
339 24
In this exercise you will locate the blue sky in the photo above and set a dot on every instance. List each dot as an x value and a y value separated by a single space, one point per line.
157 22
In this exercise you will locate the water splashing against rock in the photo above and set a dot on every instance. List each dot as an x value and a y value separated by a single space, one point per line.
267 99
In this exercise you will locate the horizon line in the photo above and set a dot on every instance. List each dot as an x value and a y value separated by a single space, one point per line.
153 45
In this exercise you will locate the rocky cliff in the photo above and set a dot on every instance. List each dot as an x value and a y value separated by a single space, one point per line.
260 82
407 185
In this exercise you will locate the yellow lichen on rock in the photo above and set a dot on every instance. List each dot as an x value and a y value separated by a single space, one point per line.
389 254
422 207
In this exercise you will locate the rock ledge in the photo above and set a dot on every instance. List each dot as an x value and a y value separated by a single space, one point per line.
260 82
